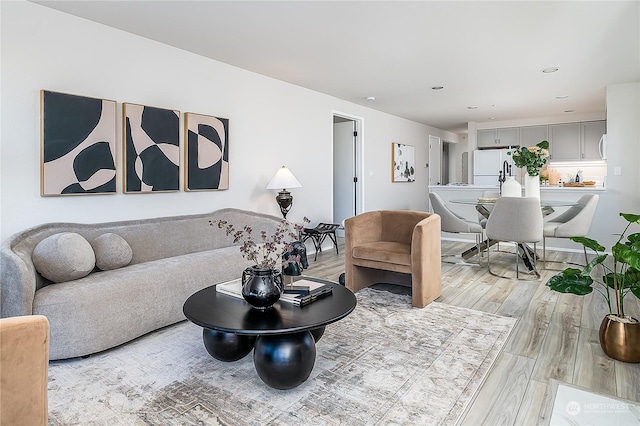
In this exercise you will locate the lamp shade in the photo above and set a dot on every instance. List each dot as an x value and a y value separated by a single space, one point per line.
284 179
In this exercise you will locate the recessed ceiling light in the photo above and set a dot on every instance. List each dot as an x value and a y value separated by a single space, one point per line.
371 98
437 87
492 118
562 97
550 70
472 107
569 110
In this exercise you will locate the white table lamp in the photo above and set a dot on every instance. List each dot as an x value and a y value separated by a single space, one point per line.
281 180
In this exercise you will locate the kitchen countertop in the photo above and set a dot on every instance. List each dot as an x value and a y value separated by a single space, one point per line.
598 188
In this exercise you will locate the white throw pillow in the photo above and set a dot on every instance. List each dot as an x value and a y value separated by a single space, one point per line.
112 251
64 257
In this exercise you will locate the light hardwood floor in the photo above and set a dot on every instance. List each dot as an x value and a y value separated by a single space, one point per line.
555 339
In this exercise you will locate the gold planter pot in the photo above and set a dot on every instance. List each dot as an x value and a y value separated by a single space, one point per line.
620 340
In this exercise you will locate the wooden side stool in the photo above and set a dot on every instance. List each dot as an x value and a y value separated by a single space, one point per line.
318 235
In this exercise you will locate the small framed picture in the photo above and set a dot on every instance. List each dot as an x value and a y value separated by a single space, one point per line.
402 163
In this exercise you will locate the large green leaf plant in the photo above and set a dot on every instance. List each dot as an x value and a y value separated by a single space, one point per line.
617 279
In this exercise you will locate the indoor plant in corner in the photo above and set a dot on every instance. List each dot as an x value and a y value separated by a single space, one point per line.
262 283
620 277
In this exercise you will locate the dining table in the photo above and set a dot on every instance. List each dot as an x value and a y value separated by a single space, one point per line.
484 206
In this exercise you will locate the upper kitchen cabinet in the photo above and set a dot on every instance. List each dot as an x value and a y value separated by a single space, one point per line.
533 135
576 141
564 142
592 132
498 138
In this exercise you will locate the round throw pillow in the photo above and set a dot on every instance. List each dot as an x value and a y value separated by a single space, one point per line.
112 251
63 257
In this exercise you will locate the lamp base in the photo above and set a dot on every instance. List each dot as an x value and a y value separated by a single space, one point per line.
285 201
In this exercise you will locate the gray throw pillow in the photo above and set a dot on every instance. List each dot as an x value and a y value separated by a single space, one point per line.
112 251
63 257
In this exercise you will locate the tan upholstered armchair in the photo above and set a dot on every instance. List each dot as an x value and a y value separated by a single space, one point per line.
24 367
396 247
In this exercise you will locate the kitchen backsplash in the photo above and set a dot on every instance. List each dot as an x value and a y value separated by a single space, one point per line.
591 170
596 171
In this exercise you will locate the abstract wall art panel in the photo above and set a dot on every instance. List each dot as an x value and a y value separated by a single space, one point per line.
151 149
403 163
206 152
78 144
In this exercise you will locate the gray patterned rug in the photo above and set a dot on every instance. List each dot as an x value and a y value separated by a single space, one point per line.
386 363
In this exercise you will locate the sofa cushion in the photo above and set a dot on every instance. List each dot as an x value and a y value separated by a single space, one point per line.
63 257
112 251
384 251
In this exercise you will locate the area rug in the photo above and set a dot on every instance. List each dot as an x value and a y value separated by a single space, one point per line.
385 363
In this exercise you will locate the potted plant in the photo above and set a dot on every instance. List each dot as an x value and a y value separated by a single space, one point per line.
531 159
262 283
619 278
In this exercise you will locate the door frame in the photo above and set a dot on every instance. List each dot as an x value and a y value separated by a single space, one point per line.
358 157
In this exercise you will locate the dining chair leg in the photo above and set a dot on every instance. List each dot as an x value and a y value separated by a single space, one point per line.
544 253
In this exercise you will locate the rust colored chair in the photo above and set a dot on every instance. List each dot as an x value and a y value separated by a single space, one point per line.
24 361
395 247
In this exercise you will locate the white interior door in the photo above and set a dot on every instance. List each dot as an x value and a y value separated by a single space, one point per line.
435 153
344 170
435 158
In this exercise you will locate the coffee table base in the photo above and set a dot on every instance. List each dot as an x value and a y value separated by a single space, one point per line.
283 361
227 347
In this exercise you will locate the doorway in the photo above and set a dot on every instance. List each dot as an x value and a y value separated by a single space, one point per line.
444 164
435 159
347 186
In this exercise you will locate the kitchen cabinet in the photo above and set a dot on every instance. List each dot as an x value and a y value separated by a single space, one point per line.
533 135
497 138
576 141
592 132
564 142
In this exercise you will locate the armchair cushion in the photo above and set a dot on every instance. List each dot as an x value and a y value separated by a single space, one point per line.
384 251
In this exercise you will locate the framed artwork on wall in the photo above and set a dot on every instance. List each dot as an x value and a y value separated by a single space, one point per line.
206 152
403 163
151 149
77 145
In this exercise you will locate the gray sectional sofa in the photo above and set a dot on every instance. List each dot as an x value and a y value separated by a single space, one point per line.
170 259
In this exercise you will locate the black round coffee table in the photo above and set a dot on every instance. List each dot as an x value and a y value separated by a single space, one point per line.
283 338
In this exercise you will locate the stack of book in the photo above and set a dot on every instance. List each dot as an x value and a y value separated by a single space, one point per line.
301 293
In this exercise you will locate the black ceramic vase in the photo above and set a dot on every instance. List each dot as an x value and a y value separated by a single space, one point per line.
261 287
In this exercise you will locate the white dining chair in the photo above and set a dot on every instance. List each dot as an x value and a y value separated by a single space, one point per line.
517 220
575 222
454 223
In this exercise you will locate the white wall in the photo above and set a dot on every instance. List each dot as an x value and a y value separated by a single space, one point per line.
272 123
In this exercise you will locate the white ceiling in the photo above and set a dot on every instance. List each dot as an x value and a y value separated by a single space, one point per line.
485 54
